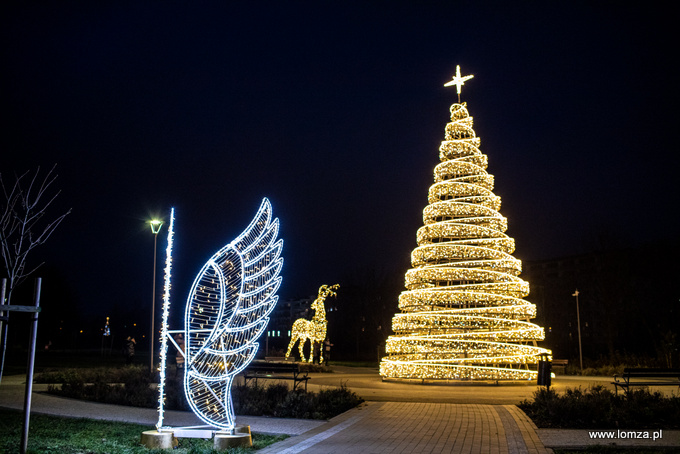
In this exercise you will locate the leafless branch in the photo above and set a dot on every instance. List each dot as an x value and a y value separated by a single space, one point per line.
21 215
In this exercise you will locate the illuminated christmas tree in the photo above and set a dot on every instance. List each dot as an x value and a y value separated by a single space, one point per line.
463 316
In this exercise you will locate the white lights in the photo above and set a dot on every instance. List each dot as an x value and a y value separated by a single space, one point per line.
463 313
164 321
227 310
156 225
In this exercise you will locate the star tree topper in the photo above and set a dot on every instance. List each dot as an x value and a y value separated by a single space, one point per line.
458 81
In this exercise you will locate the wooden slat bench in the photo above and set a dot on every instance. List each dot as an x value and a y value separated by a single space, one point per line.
646 377
561 363
276 371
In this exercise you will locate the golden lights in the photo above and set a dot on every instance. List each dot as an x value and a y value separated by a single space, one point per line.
463 313
314 329
458 81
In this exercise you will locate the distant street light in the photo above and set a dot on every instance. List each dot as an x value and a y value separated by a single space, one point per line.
578 321
155 228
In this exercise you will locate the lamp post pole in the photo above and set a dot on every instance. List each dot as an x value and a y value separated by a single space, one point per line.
578 322
155 228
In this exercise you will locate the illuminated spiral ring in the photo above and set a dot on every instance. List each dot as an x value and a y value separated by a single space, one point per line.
463 313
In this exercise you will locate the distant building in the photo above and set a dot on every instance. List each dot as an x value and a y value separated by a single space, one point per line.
280 323
627 301
552 284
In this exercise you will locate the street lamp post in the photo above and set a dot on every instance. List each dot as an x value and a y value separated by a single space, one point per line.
155 228
578 322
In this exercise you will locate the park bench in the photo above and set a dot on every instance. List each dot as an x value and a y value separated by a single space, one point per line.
561 363
646 377
275 371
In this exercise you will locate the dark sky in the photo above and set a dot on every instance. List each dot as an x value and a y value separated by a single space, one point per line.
335 112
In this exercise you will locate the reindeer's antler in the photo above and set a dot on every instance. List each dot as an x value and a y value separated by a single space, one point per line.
327 290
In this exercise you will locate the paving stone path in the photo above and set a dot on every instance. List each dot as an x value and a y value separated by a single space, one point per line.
409 427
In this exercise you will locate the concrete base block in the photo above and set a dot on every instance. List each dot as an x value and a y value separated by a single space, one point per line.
225 440
242 429
153 439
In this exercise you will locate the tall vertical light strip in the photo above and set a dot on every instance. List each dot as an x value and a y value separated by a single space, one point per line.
164 322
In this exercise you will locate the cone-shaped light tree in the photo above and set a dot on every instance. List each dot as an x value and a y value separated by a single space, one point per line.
463 315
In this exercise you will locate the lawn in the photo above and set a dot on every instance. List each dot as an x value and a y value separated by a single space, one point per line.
52 434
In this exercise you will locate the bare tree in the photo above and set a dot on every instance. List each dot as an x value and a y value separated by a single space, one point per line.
23 227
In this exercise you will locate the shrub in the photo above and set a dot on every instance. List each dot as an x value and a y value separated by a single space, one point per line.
132 386
93 375
277 400
314 368
337 400
298 404
610 365
125 386
251 400
174 395
599 408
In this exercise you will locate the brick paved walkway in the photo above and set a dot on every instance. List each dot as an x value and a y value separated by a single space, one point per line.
419 428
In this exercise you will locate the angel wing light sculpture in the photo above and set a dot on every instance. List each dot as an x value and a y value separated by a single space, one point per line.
227 310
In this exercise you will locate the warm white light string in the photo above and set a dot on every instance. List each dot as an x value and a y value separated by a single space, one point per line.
164 321
313 330
227 310
463 313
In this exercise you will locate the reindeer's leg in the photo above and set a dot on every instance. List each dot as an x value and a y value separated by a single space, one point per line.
293 339
322 339
321 353
311 350
303 341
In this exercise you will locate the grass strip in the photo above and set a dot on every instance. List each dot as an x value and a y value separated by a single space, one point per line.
54 434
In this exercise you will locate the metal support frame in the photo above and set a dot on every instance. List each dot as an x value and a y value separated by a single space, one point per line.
35 310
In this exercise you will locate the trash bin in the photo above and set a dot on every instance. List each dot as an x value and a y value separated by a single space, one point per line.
544 369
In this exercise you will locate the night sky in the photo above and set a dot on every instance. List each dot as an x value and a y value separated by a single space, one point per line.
335 112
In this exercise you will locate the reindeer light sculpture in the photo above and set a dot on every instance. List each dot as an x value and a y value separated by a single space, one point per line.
314 329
